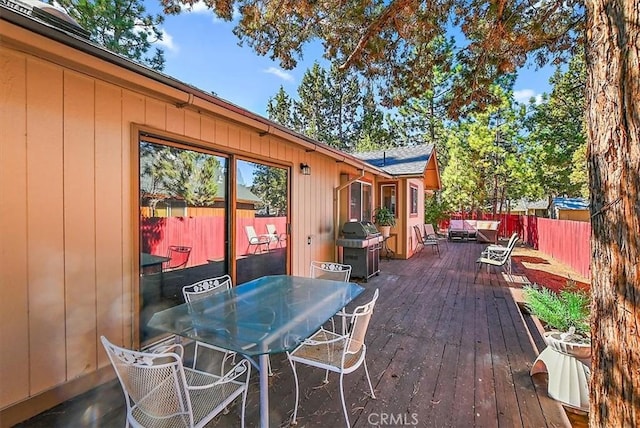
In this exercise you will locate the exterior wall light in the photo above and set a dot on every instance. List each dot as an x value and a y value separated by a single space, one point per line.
305 169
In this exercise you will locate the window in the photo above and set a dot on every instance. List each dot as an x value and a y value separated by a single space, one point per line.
187 221
183 216
388 197
360 201
414 200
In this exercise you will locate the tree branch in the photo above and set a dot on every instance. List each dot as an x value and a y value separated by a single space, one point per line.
387 15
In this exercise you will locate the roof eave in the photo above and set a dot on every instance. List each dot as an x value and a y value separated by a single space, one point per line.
258 122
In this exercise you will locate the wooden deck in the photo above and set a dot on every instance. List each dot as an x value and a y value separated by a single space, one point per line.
442 352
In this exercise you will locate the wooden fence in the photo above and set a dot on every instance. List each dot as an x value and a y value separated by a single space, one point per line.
205 235
565 240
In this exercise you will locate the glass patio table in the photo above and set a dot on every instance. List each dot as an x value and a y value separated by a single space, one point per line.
268 315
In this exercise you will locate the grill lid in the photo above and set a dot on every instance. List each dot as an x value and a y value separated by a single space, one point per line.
359 230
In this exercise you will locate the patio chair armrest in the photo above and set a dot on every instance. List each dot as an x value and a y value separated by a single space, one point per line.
337 338
175 347
234 373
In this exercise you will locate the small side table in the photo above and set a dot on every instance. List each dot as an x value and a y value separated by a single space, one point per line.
388 252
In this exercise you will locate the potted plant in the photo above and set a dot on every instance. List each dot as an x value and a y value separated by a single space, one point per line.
567 356
384 218
565 312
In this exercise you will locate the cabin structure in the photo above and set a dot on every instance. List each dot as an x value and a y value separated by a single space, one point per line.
413 171
539 208
90 146
576 209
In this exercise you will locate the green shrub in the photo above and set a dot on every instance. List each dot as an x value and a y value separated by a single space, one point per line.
569 308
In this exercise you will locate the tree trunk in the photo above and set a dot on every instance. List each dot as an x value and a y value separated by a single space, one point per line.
613 119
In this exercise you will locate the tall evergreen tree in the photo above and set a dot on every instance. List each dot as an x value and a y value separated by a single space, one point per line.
327 106
270 184
122 26
557 133
486 161
372 130
280 109
308 109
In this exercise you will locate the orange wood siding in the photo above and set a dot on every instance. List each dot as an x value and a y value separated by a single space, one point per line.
111 297
68 170
45 222
79 228
14 275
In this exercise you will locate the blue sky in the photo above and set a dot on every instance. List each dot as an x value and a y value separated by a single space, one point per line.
201 50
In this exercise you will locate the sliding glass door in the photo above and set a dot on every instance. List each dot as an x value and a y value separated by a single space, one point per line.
183 223
262 205
204 214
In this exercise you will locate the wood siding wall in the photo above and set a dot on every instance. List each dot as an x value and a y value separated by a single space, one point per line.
68 216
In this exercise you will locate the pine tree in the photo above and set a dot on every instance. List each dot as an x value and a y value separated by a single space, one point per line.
122 26
279 108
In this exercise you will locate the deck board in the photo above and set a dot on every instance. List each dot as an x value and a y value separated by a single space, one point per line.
441 349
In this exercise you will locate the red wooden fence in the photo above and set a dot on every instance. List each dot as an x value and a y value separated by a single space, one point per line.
205 235
564 240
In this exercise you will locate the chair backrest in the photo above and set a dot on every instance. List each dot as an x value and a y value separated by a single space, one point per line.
429 232
359 324
154 384
271 229
251 233
419 234
507 254
330 270
513 239
206 287
178 257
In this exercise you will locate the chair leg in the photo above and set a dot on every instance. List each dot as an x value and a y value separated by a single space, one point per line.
366 371
295 377
344 404
477 272
244 404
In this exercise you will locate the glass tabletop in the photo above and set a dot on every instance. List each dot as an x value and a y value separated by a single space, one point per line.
268 315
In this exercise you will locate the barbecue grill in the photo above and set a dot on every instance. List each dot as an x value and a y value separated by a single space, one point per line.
361 248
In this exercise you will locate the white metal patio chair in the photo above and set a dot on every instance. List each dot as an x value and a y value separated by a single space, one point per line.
335 272
494 250
497 257
258 242
201 290
274 236
334 352
422 241
160 391
430 233
330 270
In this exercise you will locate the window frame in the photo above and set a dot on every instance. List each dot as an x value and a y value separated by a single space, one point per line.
361 216
394 197
413 198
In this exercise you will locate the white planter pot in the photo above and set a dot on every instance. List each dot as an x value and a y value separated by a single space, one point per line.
385 231
567 364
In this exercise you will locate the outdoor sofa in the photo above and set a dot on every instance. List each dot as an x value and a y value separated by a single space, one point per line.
482 230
